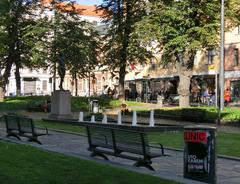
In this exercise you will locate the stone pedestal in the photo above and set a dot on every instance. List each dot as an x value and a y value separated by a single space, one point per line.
61 105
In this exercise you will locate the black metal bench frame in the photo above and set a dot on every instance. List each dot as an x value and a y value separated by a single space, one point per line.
20 126
122 143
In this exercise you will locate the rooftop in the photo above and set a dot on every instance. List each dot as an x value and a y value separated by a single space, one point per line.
87 10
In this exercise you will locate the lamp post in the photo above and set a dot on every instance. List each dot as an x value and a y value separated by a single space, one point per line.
221 69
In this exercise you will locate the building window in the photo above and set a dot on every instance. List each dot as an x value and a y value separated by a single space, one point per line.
210 57
236 51
99 85
44 85
80 84
84 84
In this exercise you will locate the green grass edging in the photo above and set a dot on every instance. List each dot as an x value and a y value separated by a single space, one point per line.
22 164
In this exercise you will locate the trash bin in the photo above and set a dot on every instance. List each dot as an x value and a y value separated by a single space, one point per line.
199 153
95 108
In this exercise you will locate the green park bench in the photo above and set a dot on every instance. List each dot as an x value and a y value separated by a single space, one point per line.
21 126
122 143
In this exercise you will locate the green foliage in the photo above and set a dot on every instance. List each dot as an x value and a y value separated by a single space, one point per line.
120 47
82 103
181 27
19 33
17 103
75 39
31 38
23 164
199 114
178 29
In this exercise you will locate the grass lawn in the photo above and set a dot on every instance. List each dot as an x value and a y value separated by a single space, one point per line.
21 164
227 143
82 103
61 126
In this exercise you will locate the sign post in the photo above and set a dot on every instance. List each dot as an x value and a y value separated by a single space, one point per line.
199 153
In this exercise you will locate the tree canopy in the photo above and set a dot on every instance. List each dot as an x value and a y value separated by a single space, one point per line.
181 28
120 47
34 35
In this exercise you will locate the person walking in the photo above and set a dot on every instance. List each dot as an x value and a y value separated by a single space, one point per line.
227 97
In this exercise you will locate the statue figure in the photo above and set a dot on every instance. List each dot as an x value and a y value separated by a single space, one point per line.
61 70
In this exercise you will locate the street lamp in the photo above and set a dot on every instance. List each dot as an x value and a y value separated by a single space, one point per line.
221 69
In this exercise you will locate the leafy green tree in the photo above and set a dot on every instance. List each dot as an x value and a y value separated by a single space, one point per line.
32 38
19 21
121 47
181 28
3 42
74 39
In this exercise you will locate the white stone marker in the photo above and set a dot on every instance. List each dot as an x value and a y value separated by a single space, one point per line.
119 120
134 118
151 121
92 119
104 120
80 119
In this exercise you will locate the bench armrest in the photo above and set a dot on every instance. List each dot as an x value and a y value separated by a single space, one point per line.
46 130
43 128
158 147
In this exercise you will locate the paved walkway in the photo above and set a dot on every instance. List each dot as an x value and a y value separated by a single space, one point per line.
170 167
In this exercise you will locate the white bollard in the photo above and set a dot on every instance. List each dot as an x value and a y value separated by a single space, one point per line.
151 121
119 120
80 119
134 118
104 120
92 119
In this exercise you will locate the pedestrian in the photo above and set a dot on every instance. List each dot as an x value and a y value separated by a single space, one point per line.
206 96
227 96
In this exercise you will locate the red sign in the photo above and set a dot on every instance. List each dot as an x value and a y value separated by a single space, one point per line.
194 136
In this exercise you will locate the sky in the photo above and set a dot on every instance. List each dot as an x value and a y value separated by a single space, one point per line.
89 2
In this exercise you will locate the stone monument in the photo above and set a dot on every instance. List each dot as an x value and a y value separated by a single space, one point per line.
61 105
61 99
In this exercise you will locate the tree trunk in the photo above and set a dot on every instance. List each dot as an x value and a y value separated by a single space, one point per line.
185 76
125 43
18 79
13 47
76 86
122 74
1 94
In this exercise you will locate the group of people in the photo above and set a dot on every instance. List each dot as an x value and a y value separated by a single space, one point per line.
108 91
208 96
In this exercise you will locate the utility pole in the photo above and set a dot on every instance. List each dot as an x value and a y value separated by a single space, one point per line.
221 68
54 48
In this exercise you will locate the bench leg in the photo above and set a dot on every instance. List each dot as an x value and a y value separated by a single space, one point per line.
32 139
14 135
95 153
143 164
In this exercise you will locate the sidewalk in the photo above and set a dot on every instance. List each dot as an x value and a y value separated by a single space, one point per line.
170 167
